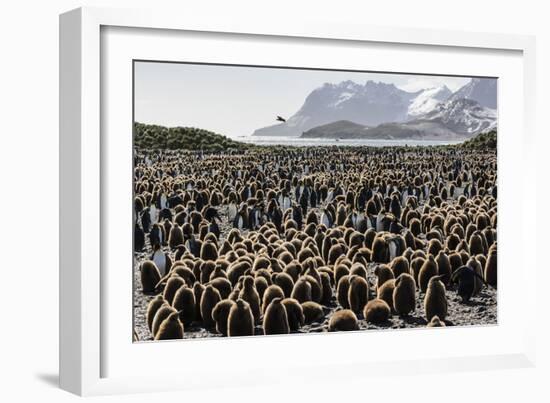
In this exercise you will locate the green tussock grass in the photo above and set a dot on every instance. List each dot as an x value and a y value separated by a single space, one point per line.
154 137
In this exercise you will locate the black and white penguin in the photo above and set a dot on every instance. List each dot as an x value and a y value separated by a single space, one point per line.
466 278
193 245
156 236
214 228
145 220
297 215
160 259
241 219
139 238
232 211
326 218
284 201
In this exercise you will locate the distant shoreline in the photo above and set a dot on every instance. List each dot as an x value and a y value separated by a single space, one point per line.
158 137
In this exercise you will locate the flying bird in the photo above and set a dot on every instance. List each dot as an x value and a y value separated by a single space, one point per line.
281 119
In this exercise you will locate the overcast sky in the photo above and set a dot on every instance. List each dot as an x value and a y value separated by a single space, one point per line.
235 101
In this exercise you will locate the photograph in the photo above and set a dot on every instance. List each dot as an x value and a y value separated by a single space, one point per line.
275 200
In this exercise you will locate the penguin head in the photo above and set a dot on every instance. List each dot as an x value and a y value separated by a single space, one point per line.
241 304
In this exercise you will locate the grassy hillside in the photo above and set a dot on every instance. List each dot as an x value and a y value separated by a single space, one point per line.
339 129
183 138
482 141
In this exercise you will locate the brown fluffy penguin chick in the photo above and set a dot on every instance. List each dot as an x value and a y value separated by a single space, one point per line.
302 290
385 292
276 318
150 276
223 286
335 252
434 246
427 271
284 281
175 238
343 320
198 289
443 267
416 265
383 273
261 285
250 295
340 271
490 272
172 286
272 292
209 299
436 322
399 265
313 312
209 251
404 294
476 244
455 260
152 308
162 313
377 311
205 269
316 290
435 301
171 328
295 313
380 250
220 313
359 270
240 321
326 289
342 292
358 293
184 302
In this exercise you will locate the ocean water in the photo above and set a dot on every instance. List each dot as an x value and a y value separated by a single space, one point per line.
296 141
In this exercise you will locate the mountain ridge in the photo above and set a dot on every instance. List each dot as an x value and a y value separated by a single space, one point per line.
459 119
377 103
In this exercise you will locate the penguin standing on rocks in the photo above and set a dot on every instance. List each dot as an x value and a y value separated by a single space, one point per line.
150 276
404 294
276 318
170 328
343 320
466 278
435 301
220 314
240 321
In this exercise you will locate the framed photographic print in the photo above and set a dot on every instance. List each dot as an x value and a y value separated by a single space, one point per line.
235 190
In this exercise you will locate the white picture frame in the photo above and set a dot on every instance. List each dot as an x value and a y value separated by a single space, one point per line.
87 349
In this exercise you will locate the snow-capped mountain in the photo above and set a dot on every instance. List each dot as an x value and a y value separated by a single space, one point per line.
463 116
427 100
369 104
454 119
482 90
429 112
